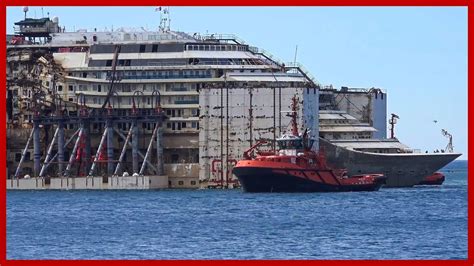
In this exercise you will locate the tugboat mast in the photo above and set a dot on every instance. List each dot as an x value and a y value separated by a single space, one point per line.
294 116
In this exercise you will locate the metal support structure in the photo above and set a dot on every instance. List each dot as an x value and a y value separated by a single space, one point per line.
64 146
48 154
36 150
145 160
81 153
72 156
110 148
135 138
222 137
17 172
227 137
61 147
139 153
87 148
159 151
124 150
96 158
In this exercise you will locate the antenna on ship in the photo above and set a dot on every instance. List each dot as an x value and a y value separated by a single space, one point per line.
449 147
392 121
165 19
25 10
296 53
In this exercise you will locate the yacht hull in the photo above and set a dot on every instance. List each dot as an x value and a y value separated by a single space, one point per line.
401 170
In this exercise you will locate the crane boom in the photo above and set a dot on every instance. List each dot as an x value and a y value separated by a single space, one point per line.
113 76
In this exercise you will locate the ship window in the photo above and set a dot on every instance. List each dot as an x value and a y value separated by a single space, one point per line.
180 183
142 48
183 124
154 48
60 88
174 158
193 182
71 88
108 63
99 88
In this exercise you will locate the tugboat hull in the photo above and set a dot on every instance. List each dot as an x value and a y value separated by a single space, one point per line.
259 179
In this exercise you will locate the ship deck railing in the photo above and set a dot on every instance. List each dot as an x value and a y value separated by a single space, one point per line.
220 37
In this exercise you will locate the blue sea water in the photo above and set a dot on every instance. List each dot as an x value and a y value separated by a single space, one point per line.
427 222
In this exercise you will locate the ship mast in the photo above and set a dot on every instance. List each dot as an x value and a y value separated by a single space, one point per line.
392 121
165 19
294 116
449 147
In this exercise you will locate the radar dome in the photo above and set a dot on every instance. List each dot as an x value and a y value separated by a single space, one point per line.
56 20
25 9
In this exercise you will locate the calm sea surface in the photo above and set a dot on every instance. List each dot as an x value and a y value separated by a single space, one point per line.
414 223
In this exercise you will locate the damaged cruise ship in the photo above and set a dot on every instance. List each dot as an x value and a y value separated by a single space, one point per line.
214 97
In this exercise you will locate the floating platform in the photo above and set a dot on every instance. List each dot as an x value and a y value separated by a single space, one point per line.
92 183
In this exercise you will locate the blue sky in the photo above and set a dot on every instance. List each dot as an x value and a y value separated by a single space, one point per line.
417 54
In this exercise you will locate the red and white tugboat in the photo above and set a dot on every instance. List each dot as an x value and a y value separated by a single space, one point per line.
296 168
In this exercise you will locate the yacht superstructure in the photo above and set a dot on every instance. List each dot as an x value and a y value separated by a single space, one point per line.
357 146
